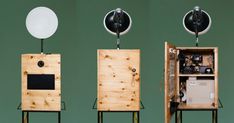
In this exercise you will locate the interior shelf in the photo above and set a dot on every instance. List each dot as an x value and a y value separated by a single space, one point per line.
183 106
187 75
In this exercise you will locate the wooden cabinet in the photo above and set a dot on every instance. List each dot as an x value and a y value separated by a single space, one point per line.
41 82
191 78
118 80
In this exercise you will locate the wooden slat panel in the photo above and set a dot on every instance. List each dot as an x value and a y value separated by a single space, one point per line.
41 100
167 74
118 85
216 78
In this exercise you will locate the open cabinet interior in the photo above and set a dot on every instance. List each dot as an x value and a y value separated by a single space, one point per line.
191 78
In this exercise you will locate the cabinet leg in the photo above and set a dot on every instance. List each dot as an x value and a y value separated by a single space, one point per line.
181 116
214 116
25 116
136 117
100 117
178 117
22 117
59 117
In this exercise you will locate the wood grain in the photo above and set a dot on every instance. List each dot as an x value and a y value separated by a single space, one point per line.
118 83
41 100
167 94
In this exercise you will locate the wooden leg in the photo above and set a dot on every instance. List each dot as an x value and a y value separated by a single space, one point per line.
100 117
176 117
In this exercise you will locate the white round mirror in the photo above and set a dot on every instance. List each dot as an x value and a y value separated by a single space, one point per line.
41 22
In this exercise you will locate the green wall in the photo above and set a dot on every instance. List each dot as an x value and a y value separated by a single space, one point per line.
81 33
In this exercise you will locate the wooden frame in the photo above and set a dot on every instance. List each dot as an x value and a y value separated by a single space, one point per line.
174 96
36 99
170 54
118 80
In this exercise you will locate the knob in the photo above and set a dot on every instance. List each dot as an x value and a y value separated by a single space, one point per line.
133 70
40 63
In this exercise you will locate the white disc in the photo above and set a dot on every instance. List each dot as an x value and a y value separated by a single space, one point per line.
41 22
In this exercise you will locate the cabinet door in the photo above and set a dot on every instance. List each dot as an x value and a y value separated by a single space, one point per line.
170 79
41 85
119 80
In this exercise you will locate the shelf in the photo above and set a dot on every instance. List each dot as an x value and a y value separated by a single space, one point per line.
184 106
197 48
188 75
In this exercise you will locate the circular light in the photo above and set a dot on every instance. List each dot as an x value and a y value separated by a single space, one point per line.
203 27
109 24
41 22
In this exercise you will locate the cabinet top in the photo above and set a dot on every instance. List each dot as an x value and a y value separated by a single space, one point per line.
197 48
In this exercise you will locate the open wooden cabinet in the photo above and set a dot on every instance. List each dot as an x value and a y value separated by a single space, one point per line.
191 78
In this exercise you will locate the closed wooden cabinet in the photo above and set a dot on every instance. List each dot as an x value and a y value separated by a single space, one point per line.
41 82
118 80
191 78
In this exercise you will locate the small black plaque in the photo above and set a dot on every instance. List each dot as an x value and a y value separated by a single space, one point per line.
41 81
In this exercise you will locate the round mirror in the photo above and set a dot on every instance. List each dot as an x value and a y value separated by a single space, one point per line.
41 22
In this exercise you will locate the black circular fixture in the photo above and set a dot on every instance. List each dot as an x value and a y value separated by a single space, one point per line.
197 22
40 63
117 21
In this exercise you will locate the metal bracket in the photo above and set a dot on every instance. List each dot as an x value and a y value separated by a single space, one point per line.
142 105
94 104
220 103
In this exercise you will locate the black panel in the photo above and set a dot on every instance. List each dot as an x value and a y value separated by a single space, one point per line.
41 82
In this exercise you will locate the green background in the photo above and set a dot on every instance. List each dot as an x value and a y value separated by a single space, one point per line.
81 33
